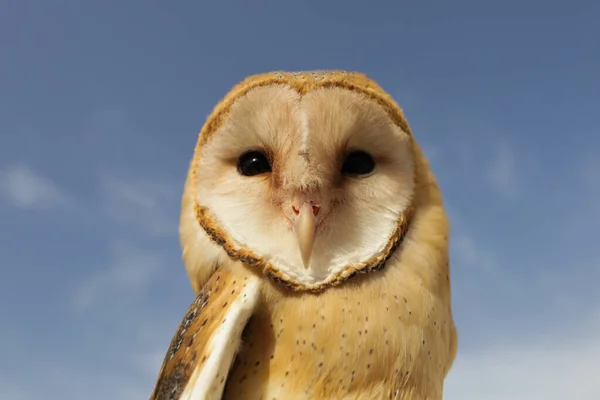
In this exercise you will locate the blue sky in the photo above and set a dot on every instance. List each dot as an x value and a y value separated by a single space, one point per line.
100 105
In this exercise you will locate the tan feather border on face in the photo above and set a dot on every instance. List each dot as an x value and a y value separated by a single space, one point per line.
303 82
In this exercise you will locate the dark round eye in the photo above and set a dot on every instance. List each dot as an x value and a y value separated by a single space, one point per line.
253 163
358 163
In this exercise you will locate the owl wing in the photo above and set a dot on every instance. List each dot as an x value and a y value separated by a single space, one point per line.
203 348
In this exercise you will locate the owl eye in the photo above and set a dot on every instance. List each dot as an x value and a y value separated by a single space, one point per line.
358 163
253 163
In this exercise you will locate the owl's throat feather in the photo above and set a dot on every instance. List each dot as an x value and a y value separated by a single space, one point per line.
239 252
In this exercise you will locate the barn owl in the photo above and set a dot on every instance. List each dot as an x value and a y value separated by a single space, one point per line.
315 239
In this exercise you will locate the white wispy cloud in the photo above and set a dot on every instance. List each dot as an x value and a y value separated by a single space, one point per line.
8 390
557 359
27 189
502 171
554 365
130 271
472 255
56 380
149 362
147 203
431 152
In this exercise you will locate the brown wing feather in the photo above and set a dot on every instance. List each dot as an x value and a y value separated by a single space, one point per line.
202 350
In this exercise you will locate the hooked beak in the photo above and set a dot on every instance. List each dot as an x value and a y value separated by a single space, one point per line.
305 228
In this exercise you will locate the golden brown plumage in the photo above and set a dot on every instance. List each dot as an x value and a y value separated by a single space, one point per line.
368 314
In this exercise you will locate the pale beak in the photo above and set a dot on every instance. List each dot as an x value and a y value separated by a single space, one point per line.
305 228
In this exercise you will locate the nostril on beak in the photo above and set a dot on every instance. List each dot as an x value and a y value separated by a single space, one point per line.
316 210
295 210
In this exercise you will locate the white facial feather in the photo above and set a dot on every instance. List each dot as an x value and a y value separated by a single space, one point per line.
307 138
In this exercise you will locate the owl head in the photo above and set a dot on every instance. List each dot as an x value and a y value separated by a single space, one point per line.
308 178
